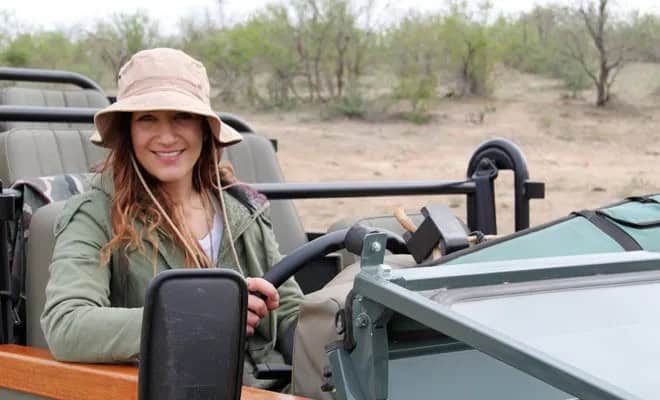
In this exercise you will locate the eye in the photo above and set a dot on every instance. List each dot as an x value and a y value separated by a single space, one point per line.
145 118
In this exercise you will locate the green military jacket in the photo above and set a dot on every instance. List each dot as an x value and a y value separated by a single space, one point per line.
94 313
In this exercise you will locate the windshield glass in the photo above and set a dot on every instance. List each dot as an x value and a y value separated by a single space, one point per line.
610 332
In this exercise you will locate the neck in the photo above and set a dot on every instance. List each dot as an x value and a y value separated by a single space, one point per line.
181 192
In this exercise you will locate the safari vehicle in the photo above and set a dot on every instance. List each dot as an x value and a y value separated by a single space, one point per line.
546 313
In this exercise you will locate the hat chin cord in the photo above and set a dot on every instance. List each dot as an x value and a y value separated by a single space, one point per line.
221 195
160 208
171 223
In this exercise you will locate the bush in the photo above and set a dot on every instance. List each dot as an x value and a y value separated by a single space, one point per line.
419 118
418 90
351 106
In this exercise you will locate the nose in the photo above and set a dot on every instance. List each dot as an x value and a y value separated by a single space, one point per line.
168 133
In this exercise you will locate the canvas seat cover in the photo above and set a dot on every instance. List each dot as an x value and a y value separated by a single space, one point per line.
32 149
38 255
34 152
255 160
21 96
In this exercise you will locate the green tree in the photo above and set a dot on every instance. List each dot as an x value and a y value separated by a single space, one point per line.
332 48
122 36
472 51
47 49
277 56
415 56
644 32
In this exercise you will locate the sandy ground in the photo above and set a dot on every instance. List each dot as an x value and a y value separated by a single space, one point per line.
587 157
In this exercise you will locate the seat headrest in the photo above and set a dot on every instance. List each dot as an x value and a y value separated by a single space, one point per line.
21 96
32 152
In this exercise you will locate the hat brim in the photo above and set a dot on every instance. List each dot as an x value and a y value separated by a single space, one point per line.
170 100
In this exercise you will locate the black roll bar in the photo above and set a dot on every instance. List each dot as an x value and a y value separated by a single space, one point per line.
502 154
277 191
85 116
48 75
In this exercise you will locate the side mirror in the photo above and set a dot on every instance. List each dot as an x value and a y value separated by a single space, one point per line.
193 335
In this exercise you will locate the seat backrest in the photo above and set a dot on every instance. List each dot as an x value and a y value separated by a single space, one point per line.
255 160
21 96
33 152
32 149
38 256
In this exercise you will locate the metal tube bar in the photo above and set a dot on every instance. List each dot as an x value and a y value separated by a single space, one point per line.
47 114
48 75
276 191
506 156
84 115
512 271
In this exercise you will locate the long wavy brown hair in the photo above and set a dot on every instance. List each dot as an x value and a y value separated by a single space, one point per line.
131 202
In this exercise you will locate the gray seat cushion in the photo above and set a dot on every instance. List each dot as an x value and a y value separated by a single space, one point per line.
27 153
20 96
38 254
255 160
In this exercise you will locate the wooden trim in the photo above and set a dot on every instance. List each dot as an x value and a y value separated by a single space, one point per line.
34 371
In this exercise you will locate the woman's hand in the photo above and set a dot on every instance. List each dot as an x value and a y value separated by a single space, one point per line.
258 307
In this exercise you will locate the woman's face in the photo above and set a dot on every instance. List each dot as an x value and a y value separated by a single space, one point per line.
167 143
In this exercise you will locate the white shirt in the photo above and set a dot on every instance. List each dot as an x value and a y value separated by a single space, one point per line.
211 242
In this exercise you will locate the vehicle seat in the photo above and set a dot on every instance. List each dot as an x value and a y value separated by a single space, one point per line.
32 149
254 160
21 96
38 255
34 152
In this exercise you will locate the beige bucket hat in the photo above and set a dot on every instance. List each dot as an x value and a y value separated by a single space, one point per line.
162 79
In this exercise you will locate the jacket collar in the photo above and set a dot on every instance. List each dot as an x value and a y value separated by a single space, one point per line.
237 218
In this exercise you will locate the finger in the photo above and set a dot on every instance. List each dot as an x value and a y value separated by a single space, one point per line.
257 306
259 285
252 320
272 304
249 331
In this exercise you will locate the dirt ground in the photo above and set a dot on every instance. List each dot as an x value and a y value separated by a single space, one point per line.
587 157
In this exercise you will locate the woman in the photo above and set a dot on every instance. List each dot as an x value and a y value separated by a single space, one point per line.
158 203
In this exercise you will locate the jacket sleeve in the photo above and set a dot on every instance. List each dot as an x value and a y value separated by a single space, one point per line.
78 321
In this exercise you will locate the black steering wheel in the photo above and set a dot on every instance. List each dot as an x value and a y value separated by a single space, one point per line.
350 239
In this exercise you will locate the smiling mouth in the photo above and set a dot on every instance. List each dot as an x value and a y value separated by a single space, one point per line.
168 154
